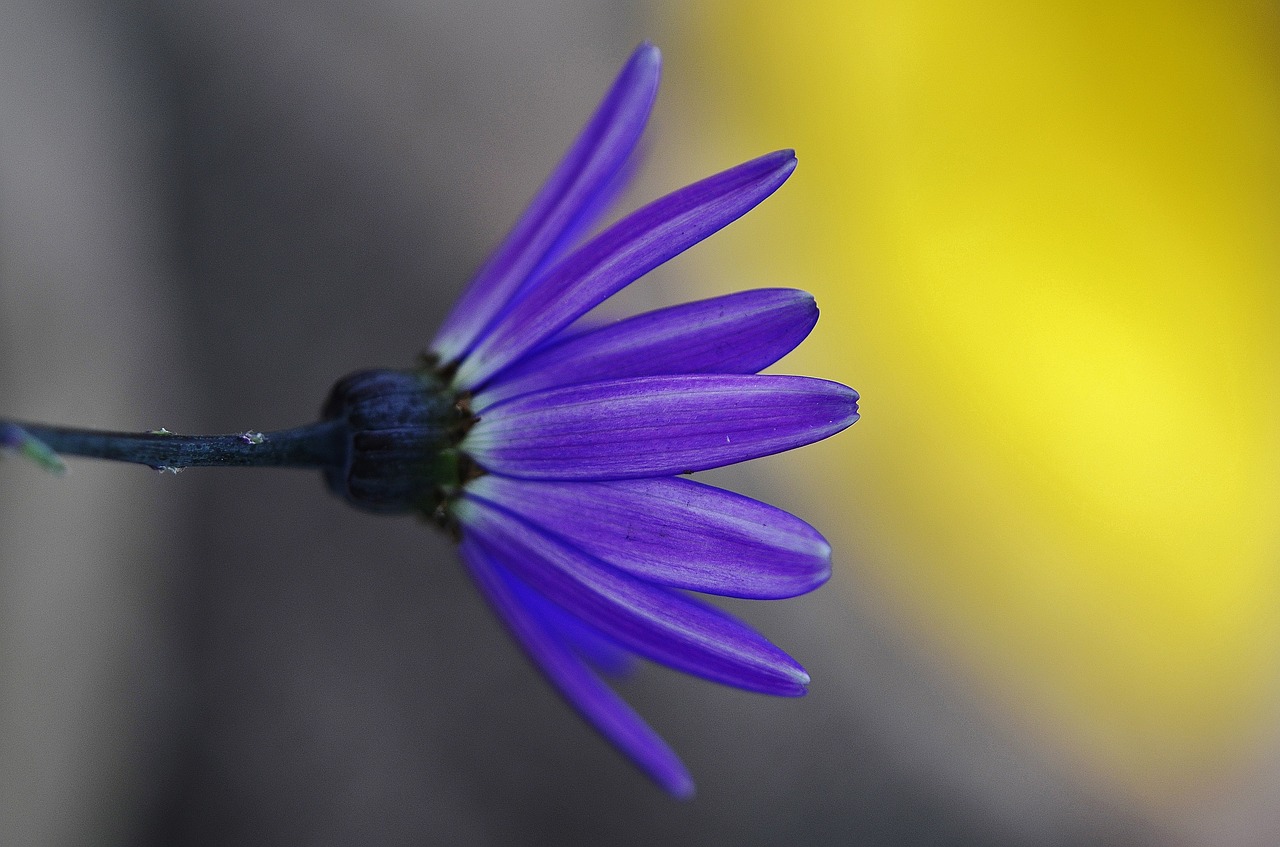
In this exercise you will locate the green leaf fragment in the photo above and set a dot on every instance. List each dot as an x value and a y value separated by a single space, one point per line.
27 445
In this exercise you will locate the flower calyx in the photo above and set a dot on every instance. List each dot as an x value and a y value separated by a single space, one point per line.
400 441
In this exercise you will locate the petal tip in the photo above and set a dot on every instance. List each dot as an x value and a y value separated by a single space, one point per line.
800 298
820 577
795 680
644 67
784 164
681 787
648 52
853 398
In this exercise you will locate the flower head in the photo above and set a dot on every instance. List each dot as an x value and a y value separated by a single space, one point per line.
573 515
556 456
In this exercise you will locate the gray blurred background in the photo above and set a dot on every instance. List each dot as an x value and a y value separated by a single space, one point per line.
209 211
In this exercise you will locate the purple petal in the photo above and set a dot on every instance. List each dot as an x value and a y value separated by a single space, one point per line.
588 216
601 652
675 532
741 333
620 255
653 621
656 426
588 167
603 709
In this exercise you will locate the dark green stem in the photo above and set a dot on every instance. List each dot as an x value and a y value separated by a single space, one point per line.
318 445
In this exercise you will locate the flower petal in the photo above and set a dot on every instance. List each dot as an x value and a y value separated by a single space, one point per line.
740 333
594 700
673 531
599 650
600 204
656 426
620 255
586 169
655 622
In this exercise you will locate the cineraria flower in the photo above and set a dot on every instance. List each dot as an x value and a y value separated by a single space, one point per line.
557 456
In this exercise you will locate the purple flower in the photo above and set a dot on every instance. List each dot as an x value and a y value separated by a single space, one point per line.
573 515
556 455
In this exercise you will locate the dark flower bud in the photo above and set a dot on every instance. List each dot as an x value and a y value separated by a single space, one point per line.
401 430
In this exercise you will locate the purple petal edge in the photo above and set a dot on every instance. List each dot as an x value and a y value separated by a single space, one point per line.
739 333
601 203
620 255
600 651
587 168
656 426
594 700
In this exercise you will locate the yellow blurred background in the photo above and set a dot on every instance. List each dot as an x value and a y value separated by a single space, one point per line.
1044 239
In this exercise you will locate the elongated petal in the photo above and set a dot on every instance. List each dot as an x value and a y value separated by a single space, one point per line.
737 334
601 652
588 167
600 204
675 532
620 255
656 426
603 709
653 621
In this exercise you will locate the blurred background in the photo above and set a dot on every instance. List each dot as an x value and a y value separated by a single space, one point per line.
1044 243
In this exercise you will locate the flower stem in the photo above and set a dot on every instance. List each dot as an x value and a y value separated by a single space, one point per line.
318 445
